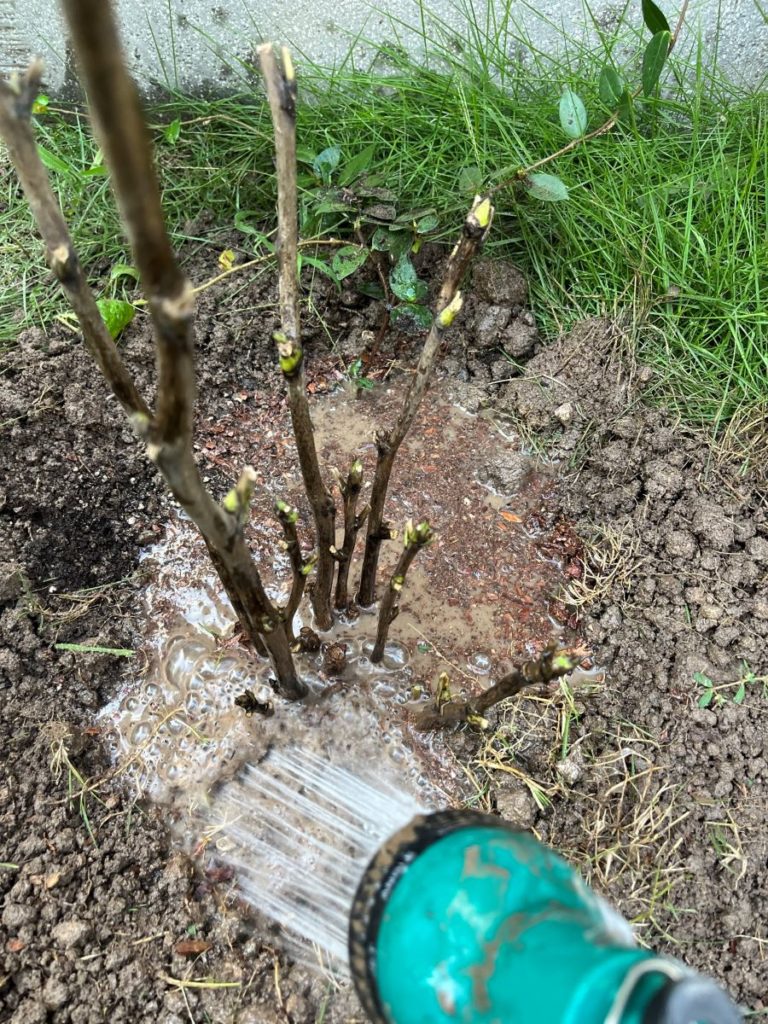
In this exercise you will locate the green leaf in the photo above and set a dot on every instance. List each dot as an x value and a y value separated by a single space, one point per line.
471 179
325 163
610 87
172 131
348 259
411 318
573 114
116 314
123 270
654 18
119 652
404 281
706 698
372 289
241 224
333 206
625 105
381 240
738 697
40 106
53 162
546 187
427 223
653 60
305 155
358 165
322 266
703 680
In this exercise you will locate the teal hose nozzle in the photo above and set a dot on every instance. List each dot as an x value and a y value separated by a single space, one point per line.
461 919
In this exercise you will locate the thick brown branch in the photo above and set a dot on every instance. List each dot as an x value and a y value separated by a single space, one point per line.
414 539
280 81
119 124
350 492
474 231
15 128
300 566
551 665
126 147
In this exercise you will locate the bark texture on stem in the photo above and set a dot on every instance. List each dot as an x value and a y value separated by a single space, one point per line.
168 433
414 539
353 522
280 80
551 665
300 567
474 231
15 108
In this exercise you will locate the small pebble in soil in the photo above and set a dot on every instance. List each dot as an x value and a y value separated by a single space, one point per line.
71 933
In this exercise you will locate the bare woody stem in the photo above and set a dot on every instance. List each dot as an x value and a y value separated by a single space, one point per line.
300 567
474 231
350 492
15 109
552 664
414 539
168 433
280 80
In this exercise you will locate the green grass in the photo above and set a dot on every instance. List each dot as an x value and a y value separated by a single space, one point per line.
666 224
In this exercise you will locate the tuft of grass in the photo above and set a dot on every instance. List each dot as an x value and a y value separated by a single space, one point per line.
667 216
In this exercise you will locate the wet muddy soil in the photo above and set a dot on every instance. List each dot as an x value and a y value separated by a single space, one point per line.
630 535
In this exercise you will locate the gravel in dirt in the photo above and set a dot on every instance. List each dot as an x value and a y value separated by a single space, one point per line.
672 583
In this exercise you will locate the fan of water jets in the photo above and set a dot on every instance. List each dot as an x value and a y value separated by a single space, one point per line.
299 832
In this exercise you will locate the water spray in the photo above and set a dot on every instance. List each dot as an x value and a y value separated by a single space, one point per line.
446 917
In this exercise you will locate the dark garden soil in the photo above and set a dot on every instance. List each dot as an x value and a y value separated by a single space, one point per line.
660 543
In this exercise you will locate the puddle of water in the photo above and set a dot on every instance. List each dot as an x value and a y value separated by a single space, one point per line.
474 602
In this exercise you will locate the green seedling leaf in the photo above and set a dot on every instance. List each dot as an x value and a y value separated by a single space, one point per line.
654 18
123 270
404 281
573 115
610 87
332 206
241 224
703 680
471 179
411 318
426 223
706 699
372 289
172 131
381 240
116 314
653 60
348 259
358 165
546 187
53 162
325 163
40 106
738 697
119 652
380 212
625 105
322 266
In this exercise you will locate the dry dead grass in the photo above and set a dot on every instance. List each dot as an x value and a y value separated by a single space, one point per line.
611 562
